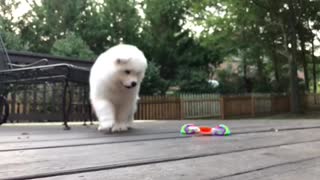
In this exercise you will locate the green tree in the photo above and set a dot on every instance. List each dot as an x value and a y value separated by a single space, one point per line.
13 41
110 22
8 26
195 81
163 25
289 17
173 46
49 21
262 30
230 83
72 46
153 84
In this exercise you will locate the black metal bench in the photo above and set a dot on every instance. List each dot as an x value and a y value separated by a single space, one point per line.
39 72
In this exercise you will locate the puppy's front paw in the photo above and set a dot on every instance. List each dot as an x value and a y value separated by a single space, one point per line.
105 127
119 127
129 124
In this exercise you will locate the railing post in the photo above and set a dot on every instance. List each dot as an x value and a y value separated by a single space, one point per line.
289 102
181 105
272 99
222 112
253 105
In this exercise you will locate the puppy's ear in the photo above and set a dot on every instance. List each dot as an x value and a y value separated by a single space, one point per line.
122 61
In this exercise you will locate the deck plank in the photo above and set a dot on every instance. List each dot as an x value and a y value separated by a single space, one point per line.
133 136
257 148
29 133
291 162
305 169
45 162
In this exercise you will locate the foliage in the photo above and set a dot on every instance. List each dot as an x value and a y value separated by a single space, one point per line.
275 37
161 27
13 42
230 82
195 81
72 46
110 22
49 21
153 84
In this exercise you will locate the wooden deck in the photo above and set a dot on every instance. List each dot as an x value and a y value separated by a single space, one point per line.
258 149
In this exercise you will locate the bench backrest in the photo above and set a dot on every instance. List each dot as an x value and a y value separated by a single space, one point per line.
4 57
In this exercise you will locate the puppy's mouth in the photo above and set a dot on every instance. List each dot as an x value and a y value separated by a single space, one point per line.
129 87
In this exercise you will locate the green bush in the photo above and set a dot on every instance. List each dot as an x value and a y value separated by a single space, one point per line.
13 41
153 84
230 83
72 46
195 81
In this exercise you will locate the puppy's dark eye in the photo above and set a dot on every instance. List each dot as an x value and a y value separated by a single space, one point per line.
127 71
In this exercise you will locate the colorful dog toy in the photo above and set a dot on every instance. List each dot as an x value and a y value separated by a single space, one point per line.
220 130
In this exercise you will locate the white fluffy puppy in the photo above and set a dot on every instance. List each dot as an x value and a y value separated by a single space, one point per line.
115 80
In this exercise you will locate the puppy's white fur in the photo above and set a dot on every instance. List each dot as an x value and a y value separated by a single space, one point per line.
115 80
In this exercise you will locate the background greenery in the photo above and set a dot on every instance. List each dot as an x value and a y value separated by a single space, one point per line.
185 41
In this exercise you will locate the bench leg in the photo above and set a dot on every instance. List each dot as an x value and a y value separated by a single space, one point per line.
85 96
4 109
89 114
65 110
88 109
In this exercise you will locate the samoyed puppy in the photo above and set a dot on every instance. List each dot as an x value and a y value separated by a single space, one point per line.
115 80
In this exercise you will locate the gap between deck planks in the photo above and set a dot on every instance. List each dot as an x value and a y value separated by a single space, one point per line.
11 133
59 161
30 145
15 135
296 170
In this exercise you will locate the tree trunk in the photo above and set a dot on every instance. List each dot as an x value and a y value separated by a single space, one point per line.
275 67
245 73
260 69
304 59
244 64
294 89
314 70
295 96
275 59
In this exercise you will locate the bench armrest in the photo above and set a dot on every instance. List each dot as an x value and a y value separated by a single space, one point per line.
39 62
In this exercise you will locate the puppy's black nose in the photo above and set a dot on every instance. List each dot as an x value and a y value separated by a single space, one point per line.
133 84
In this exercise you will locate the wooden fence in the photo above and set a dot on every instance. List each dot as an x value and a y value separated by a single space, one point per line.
211 106
254 105
43 103
159 107
200 106
312 101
